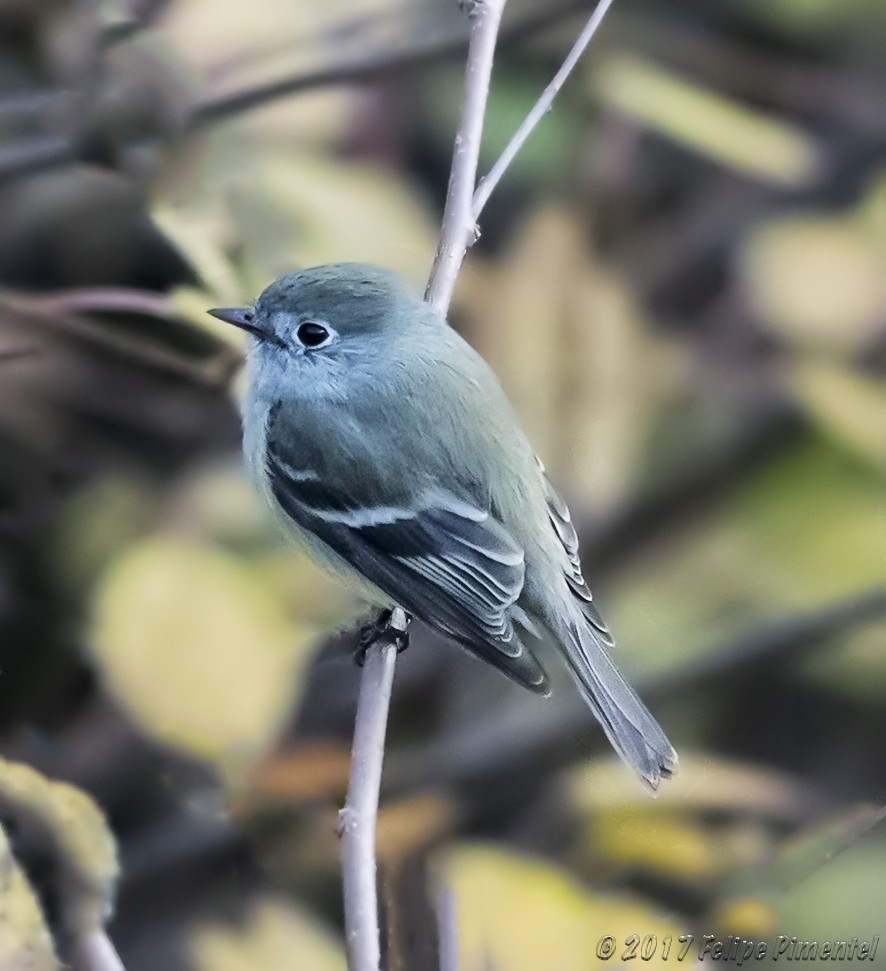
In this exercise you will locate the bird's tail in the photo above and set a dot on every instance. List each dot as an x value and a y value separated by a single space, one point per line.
633 732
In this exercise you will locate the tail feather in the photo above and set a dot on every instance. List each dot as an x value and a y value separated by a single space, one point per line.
633 732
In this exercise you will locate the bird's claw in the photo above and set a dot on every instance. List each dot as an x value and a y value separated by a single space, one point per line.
390 626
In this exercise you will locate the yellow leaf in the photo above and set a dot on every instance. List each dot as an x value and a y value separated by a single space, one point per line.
203 230
198 648
520 914
708 123
25 944
856 666
744 916
847 404
217 504
305 209
571 349
672 843
816 281
64 823
275 935
97 524
704 783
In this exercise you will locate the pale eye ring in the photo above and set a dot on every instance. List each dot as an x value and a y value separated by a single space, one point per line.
312 334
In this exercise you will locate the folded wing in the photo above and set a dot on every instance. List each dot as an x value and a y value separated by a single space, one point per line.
439 556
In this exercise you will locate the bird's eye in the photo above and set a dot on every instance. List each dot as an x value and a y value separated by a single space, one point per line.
312 334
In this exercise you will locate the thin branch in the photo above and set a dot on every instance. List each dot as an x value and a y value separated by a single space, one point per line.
16 353
29 155
108 300
457 233
539 110
95 952
496 748
357 819
459 226
447 931
68 311
425 50
50 151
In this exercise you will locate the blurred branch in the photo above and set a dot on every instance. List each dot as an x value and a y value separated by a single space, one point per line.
29 102
786 636
34 153
459 226
774 424
67 310
95 952
539 110
108 299
447 932
483 753
429 49
14 353
50 150
357 819
507 741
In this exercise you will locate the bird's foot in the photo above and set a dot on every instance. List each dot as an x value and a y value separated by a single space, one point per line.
391 627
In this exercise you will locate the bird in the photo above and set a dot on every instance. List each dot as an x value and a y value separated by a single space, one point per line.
387 446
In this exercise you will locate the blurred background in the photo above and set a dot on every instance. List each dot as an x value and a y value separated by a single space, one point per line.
681 285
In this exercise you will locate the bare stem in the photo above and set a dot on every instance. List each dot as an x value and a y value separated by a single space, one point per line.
539 110
464 200
447 929
95 952
459 226
358 818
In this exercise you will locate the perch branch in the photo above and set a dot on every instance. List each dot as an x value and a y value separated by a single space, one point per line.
358 818
457 233
447 929
95 952
459 226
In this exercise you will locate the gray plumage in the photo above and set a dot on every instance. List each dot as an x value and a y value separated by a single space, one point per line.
394 455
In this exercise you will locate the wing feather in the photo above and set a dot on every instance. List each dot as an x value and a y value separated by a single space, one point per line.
442 558
561 520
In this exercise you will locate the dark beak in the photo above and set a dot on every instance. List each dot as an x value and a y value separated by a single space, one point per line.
239 317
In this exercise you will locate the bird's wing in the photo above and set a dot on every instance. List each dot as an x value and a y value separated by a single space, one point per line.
558 513
439 556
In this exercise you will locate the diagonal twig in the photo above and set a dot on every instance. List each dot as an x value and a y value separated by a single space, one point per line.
539 110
